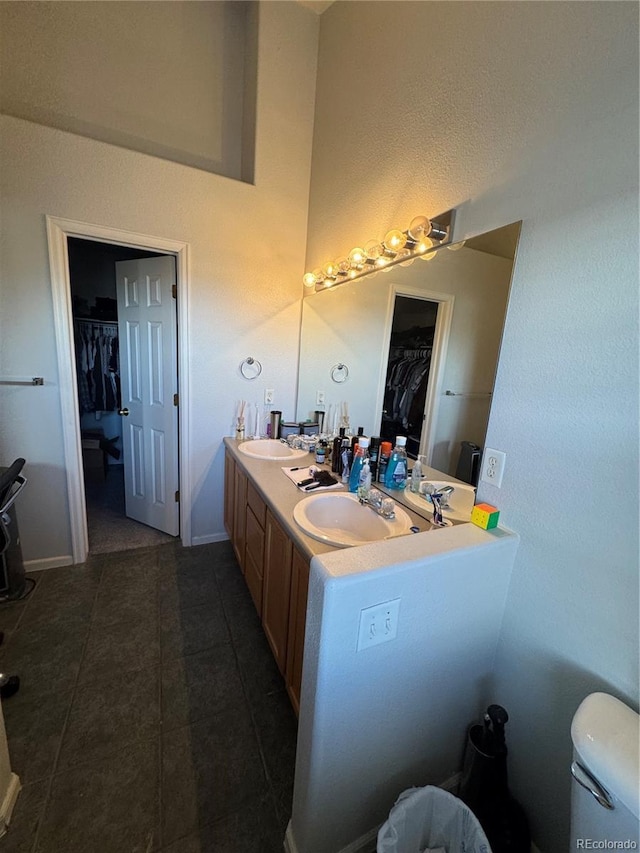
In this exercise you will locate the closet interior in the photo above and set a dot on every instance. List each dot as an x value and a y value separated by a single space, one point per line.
408 370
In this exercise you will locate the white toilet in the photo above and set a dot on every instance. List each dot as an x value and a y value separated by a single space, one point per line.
605 797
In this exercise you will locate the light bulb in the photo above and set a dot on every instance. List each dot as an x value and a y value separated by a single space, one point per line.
423 246
309 279
356 257
395 240
419 227
372 250
352 273
329 269
428 256
381 261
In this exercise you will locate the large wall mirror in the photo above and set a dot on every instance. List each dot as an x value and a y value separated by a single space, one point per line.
420 343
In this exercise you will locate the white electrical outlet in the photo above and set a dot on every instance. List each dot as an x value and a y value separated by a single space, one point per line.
319 398
378 624
493 462
268 396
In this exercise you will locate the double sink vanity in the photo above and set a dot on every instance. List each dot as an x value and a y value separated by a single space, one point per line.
276 529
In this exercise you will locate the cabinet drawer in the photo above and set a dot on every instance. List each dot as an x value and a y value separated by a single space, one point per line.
257 505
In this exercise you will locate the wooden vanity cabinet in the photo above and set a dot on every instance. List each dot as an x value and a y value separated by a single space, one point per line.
275 571
297 625
229 492
238 537
256 512
276 589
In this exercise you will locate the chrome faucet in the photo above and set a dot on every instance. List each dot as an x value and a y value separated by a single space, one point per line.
380 504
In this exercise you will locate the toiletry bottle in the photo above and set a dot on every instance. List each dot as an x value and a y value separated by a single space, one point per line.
383 459
321 452
374 450
364 481
336 457
361 453
396 474
354 440
345 453
416 476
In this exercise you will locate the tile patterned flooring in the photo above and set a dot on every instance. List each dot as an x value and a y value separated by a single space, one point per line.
151 715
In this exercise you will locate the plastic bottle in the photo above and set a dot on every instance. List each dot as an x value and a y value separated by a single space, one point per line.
355 439
396 474
374 451
364 482
383 460
321 452
336 460
345 455
416 476
361 453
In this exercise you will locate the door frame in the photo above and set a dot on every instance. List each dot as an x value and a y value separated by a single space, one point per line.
438 357
58 231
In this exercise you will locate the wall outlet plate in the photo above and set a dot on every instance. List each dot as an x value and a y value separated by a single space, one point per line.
493 462
319 398
268 396
378 624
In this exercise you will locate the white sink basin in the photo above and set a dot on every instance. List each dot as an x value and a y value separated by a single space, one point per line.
460 501
340 519
269 448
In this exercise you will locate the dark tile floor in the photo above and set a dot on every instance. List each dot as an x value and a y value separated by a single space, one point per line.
151 715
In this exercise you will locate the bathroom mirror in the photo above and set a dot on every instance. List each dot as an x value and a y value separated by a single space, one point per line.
434 326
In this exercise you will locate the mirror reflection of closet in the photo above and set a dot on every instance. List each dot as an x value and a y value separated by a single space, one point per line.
408 368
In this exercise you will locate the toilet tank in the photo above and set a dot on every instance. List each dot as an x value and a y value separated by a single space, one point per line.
606 759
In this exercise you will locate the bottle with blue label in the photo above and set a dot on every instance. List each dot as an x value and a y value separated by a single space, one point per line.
361 453
396 474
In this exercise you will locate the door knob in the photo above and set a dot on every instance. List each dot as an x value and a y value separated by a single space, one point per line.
123 412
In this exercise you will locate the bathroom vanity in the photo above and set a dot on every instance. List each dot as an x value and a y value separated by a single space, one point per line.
373 717
274 554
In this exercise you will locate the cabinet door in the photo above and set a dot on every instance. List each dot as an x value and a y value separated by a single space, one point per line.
254 559
239 515
276 589
229 492
297 624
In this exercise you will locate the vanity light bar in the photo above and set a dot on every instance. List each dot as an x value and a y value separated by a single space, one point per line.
421 239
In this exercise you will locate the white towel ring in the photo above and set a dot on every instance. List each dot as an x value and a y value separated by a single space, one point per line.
339 373
250 368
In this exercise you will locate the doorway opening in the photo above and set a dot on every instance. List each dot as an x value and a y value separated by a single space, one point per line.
59 231
411 345
106 466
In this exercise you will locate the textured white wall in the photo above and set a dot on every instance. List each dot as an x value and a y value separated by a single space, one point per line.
245 276
162 78
512 111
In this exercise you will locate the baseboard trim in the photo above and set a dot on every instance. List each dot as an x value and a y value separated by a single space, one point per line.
365 843
48 563
360 845
209 538
10 797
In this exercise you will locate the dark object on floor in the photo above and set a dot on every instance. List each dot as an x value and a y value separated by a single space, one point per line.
13 583
484 786
9 684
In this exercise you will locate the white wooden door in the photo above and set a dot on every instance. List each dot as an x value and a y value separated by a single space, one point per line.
148 368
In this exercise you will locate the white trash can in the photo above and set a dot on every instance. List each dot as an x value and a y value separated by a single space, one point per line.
430 819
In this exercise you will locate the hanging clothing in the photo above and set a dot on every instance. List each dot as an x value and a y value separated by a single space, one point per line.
98 366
